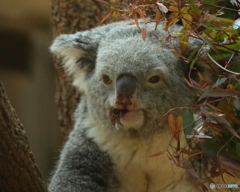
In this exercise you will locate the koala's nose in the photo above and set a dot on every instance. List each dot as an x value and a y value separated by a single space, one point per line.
125 89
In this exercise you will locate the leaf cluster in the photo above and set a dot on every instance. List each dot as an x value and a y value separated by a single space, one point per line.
212 125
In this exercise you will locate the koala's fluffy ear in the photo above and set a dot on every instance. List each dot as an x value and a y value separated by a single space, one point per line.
79 52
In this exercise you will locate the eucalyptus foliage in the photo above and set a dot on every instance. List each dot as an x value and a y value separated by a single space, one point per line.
212 125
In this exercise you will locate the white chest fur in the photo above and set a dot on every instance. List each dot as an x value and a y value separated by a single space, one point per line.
137 171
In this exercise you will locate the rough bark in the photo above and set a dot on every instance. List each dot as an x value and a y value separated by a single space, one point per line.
69 16
18 170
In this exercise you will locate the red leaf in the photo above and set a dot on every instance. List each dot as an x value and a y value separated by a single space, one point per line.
227 125
194 14
158 16
136 21
222 93
142 14
178 127
156 154
173 9
144 34
188 166
229 165
171 20
106 17
189 84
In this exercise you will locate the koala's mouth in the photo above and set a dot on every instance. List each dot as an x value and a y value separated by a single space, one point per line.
123 118
116 114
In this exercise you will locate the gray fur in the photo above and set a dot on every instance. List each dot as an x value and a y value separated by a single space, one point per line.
87 161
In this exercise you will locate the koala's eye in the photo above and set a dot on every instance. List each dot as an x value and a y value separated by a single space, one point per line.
106 79
154 79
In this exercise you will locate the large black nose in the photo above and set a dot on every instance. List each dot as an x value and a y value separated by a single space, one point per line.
125 88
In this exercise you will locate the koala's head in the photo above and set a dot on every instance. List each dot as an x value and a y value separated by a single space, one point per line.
128 83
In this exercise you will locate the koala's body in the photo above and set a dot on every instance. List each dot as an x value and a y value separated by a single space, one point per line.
127 86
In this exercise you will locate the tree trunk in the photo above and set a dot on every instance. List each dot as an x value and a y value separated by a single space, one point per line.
69 16
18 170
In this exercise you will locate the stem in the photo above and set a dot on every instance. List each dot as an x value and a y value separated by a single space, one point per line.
221 7
215 62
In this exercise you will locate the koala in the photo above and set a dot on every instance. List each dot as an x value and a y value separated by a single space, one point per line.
127 84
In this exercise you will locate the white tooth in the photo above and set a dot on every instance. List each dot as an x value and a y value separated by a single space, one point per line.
118 126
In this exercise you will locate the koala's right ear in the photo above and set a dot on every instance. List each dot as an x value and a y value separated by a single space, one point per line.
79 52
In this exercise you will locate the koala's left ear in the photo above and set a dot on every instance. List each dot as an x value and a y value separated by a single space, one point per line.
79 52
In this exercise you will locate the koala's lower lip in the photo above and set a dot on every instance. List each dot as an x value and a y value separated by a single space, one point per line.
123 118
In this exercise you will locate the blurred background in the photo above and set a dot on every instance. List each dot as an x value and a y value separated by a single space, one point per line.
27 73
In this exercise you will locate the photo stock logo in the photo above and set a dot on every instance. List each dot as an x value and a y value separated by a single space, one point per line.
212 186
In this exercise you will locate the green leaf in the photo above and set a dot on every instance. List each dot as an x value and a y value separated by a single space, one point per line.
238 149
186 18
214 78
224 51
220 55
219 82
235 67
236 103
220 37
194 7
234 46
227 13
188 120
215 148
208 24
231 31
184 41
192 56
209 148
208 42
212 87
237 113
207 4
225 22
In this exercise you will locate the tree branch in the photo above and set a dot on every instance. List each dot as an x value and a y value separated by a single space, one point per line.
18 170
70 16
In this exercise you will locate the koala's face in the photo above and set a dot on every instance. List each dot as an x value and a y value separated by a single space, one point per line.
136 82
131 83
